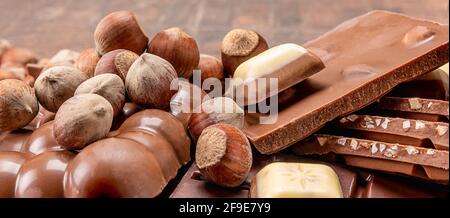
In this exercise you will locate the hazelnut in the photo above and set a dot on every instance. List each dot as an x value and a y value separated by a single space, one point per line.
81 120
120 30
87 61
177 47
216 110
116 62
64 57
34 69
109 86
4 45
239 45
223 155
18 104
13 72
210 67
18 56
148 81
57 84
183 102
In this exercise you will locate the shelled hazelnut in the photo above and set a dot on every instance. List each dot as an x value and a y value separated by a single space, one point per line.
148 81
109 86
213 111
116 62
223 155
120 30
57 84
239 45
178 48
87 61
18 104
81 120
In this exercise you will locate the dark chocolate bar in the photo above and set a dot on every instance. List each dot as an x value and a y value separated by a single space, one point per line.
364 59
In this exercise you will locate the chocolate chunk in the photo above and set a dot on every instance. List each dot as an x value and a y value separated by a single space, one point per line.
364 59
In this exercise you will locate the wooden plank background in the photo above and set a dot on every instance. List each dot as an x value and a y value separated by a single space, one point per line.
46 26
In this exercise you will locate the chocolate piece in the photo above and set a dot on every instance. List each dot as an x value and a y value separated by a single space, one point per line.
420 162
393 130
365 59
421 87
289 63
13 141
41 118
41 140
383 186
138 160
10 163
128 109
195 188
415 108
42 175
296 180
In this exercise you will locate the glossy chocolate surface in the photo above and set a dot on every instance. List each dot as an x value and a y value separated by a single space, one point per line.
161 122
42 175
13 141
128 109
41 140
114 167
10 163
364 59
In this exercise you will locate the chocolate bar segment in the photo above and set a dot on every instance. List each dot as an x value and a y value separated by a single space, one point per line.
415 108
381 155
364 59
195 188
394 130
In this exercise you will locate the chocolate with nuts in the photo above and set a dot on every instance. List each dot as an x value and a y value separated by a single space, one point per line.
365 59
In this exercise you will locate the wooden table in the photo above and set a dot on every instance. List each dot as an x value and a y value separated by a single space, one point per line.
47 26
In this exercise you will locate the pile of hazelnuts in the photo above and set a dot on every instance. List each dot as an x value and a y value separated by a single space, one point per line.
86 91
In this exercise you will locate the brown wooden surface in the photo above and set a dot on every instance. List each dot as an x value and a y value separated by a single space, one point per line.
49 25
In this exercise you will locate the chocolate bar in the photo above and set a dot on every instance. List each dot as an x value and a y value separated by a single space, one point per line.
394 130
364 59
414 108
13 161
421 87
197 188
419 162
13 141
386 186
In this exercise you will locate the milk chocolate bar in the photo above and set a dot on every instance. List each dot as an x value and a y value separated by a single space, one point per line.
420 162
433 85
364 59
388 186
197 188
393 130
414 108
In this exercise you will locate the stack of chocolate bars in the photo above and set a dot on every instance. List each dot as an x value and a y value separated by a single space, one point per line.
377 114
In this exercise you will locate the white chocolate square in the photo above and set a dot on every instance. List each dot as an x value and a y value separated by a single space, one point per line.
297 180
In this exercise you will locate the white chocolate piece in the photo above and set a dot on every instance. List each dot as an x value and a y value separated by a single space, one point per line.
269 61
272 72
297 180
